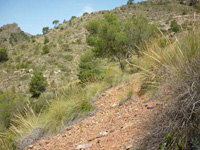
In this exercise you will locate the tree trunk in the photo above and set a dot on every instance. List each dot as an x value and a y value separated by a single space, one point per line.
121 63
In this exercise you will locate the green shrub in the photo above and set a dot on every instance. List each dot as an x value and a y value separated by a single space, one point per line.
23 46
175 27
10 103
129 2
90 68
114 39
57 114
38 84
184 12
78 41
46 40
33 40
43 102
91 40
181 2
3 55
45 49
70 22
92 27
85 13
23 78
73 17
69 57
45 30
8 138
64 68
23 65
175 68
65 110
66 48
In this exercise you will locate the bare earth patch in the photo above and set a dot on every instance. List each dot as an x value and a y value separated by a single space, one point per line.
113 127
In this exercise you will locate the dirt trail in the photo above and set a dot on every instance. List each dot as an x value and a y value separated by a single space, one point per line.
113 127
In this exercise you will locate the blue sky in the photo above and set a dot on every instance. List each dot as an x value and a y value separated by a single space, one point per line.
33 15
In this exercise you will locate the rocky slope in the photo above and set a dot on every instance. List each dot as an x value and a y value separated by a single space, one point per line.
119 123
11 35
67 40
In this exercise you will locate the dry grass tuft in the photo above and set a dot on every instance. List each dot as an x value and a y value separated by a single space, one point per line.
176 67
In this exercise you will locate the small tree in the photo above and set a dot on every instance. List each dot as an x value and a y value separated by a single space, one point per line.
55 23
108 38
46 40
85 13
115 39
38 84
130 2
3 55
90 68
138 29
73 17
45 30
10 103
45 49
175 27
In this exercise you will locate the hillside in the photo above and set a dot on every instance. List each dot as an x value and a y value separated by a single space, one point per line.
104 80
68 40
11 35
118 123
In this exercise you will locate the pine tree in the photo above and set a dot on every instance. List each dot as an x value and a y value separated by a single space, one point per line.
130 2
38 84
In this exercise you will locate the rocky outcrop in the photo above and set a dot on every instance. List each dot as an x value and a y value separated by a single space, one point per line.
11 34
35 135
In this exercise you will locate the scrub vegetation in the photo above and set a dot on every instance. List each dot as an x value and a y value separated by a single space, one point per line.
50 81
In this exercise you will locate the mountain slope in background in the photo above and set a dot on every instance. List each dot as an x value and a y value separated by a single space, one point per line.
66 44
57 55
11 35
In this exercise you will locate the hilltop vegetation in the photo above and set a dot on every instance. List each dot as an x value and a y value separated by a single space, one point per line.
11 35
49 53
49 81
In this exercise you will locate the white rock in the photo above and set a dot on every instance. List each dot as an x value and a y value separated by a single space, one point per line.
113 105
84 146
129 147
56 72
30 70
16 72
103 133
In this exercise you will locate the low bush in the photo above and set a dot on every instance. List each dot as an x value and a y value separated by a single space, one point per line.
69 57
23 65
45 49
10 103
64 111
73 17
66 48
46 40
85 13
175 70
175 27
90 68
184 12
7 140
64 68
37 84
78 41
3 55
33 40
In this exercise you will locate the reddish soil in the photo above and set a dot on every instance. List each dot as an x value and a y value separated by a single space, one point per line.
113 127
